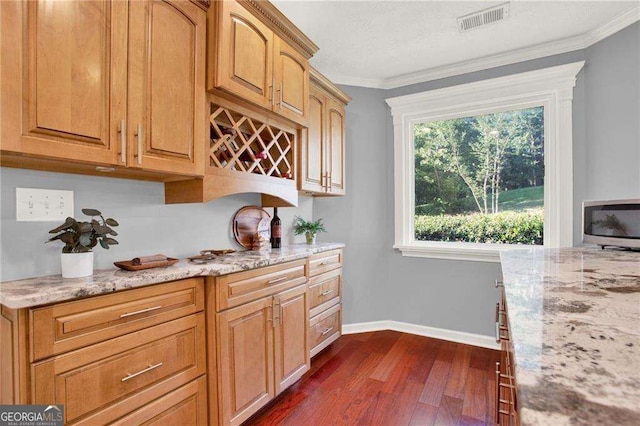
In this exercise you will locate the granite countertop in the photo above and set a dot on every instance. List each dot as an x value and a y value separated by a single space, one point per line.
31 292
574 316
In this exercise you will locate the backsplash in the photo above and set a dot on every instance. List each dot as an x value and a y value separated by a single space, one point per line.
147 225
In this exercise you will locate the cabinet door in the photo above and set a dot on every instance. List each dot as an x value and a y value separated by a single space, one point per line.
244 55
166 86
312 158
245 360
291 74
335 148
291 320
64 78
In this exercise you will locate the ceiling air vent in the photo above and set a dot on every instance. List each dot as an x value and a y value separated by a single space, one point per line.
483 17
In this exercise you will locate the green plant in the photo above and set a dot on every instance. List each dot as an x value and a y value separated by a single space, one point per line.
301 226
81 237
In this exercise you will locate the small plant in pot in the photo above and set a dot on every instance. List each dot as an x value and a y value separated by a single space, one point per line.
309 229
79 239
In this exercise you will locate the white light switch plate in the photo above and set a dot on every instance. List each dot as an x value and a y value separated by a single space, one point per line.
43 205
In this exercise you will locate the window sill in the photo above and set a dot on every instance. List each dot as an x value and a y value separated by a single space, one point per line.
457 251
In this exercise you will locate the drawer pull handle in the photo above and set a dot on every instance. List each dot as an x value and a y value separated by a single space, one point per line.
325 293
141 311
146 370
499 284
325 263
497 332
327 330
277 280
497 395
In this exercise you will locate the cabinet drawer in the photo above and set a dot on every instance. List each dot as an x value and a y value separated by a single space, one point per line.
242 287
67 326
325 328
184 406
324 291
324 262
102 382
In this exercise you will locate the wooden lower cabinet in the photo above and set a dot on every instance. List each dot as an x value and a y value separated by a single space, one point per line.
133 357
186 405
506 409
325 328
246 360
186 352
262 350
291 346
102 382
325 294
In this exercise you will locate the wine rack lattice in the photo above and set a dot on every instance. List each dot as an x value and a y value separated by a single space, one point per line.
244 144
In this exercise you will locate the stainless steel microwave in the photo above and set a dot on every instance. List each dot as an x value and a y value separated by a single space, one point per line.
611 223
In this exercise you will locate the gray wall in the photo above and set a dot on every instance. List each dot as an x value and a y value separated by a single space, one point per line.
147 225
612 116
380 284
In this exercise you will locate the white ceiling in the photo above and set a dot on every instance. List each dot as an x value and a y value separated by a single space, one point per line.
393 43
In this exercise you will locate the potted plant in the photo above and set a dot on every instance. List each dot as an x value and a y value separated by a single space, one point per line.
309 229
79 238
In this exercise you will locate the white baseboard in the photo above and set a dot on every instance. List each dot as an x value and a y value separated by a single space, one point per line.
422 330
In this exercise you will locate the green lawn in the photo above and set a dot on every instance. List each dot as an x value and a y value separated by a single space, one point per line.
522 198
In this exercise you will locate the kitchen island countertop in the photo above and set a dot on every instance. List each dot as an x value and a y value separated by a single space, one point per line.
574 316
32 292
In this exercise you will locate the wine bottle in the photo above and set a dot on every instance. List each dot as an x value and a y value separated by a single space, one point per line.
276 230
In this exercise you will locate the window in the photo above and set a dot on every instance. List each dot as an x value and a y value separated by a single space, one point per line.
480 179
501 146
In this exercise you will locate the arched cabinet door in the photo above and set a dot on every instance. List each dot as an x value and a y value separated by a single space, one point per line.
244 60
291 75
335 147
64 77
166 86
312 147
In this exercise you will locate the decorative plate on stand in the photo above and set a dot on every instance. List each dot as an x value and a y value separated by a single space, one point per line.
249 220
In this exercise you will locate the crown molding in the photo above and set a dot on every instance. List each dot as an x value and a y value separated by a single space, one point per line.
534 52
326 84
347 80
278 22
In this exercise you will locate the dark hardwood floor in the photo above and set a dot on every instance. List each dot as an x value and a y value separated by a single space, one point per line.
390 378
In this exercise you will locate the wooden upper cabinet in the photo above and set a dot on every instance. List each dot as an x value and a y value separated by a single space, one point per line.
258 55
312 156
335 147
322 153
245 55
291 76
166 86
115 83
64 78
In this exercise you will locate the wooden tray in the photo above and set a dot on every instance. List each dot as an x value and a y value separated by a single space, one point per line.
129 266
249 220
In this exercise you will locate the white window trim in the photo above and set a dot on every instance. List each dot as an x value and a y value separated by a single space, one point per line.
551 88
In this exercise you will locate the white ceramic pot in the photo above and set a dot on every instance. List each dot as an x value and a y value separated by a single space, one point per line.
75 265
311 238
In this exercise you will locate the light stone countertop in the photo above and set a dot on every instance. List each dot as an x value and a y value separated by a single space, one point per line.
574 316
32 292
